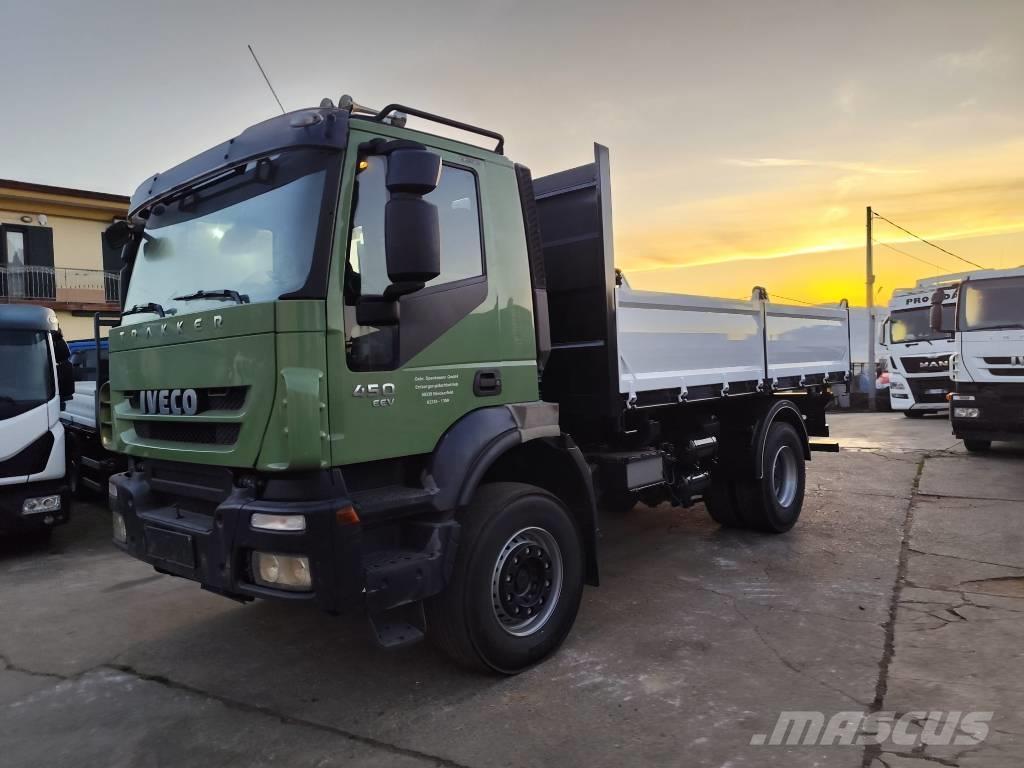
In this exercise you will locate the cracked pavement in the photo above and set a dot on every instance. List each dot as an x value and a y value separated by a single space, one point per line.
901 589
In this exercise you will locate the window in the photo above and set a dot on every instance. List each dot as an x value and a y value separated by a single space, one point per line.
915 324
26 256
992 304
26 378
458 211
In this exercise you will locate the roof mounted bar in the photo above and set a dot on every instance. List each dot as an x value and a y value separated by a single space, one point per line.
500 148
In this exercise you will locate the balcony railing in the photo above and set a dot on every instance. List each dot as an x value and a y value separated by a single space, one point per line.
60 284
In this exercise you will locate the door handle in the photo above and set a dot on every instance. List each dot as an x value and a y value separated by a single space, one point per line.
487 382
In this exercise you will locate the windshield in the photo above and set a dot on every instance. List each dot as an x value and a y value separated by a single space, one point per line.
914 324
991 304
253 232
26 377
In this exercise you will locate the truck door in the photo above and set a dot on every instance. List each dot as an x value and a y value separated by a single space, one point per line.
463 342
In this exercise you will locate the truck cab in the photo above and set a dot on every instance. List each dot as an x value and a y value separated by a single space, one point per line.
919 354
987 368
35 382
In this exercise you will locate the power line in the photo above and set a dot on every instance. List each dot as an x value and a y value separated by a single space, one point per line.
910 255
262 72
928 242
798 301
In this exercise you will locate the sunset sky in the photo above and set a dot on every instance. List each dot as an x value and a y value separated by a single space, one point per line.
746 137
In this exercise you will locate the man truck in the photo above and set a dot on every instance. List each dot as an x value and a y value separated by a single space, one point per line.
35 383
919 354
987 368
366 365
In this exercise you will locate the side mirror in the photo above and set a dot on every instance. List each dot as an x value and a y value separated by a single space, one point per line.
117 234
65 373
411 225
884 341
935 312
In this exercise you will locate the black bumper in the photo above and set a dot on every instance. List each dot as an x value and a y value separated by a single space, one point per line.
1001 412
12 499
213 542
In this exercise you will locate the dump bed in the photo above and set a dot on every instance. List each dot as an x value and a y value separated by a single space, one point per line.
703 347
614 348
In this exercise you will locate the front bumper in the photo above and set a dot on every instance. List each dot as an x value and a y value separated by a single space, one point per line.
12 500
212 542
1000 407
923 393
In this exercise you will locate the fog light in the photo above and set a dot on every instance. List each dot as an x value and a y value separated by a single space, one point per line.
111 489
282 571
40 504
278 522
120 531
962 397
966 413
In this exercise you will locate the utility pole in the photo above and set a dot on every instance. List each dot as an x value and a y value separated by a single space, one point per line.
871 315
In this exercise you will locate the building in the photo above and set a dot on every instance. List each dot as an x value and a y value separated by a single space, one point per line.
52 252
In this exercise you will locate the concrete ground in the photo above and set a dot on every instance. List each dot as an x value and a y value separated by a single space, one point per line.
901 589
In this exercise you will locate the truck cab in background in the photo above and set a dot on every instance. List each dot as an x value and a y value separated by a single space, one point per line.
918 355
987 367
35 382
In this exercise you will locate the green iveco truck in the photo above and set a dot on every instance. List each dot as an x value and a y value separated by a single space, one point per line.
360 365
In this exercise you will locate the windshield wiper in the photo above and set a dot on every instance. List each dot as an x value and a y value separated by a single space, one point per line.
222 293
149 306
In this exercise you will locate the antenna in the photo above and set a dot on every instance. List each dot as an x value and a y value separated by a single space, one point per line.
262 72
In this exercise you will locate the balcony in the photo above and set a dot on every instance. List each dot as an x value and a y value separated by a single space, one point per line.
60 287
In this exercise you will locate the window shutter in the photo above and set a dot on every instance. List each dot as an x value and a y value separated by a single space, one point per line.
38 247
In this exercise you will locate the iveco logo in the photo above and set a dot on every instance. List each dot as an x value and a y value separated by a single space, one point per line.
175 402
1017 360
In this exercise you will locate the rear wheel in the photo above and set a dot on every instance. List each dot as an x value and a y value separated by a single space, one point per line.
517 581
978 446
773 502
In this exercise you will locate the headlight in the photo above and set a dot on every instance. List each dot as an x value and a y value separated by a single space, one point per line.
282 571
111 489
960 398
266 522
966 413
40 504
120 531
896 384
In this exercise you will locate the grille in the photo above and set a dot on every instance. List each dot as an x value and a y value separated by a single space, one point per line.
925 364
182 432
919 388
222 399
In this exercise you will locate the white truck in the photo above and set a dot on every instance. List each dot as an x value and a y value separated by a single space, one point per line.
918 354
987 368
35 382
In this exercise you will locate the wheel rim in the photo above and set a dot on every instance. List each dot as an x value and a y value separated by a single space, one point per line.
526 581
784 475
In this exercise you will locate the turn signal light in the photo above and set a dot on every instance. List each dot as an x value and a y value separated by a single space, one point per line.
347 516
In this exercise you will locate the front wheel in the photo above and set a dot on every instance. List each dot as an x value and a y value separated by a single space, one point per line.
517 581
914 414
978 446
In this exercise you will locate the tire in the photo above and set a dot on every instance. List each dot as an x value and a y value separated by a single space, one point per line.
476 626
978 446
720 500
773 503
74 474
914 414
